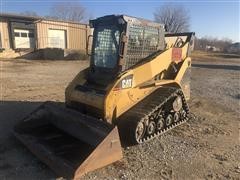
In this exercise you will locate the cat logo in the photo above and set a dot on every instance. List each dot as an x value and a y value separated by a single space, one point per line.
124 83
127 82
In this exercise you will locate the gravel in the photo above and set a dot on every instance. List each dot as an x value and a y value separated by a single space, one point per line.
206 147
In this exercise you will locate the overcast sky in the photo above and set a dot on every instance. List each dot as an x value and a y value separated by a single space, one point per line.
215 18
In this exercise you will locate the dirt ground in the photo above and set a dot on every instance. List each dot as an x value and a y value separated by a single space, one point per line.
206 147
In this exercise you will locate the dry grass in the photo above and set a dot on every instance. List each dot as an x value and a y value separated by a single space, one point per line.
213 55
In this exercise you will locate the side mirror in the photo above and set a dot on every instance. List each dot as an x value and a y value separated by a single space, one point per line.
88 43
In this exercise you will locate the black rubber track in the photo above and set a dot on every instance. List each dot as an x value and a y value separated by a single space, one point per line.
161 98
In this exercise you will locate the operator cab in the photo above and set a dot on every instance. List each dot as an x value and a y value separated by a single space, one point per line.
120 42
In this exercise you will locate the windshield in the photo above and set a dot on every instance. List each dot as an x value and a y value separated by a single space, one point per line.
105 49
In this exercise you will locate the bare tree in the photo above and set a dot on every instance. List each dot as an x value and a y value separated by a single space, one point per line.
202 43
29 13
175 18
68 11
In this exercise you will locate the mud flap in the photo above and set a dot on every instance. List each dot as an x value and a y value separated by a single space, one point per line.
69 142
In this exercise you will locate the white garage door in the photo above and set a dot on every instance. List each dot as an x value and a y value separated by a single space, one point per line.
24 38
57 38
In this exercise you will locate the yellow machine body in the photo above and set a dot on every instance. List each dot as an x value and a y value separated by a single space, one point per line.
117 101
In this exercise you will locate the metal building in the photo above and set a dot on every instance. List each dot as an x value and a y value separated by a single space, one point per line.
59 34
19 32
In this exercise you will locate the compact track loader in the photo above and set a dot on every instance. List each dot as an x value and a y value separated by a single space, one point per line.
135 89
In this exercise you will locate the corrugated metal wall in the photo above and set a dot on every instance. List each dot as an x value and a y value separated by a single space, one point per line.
76 34
4 34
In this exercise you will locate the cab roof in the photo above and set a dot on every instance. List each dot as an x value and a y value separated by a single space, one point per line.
122 19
